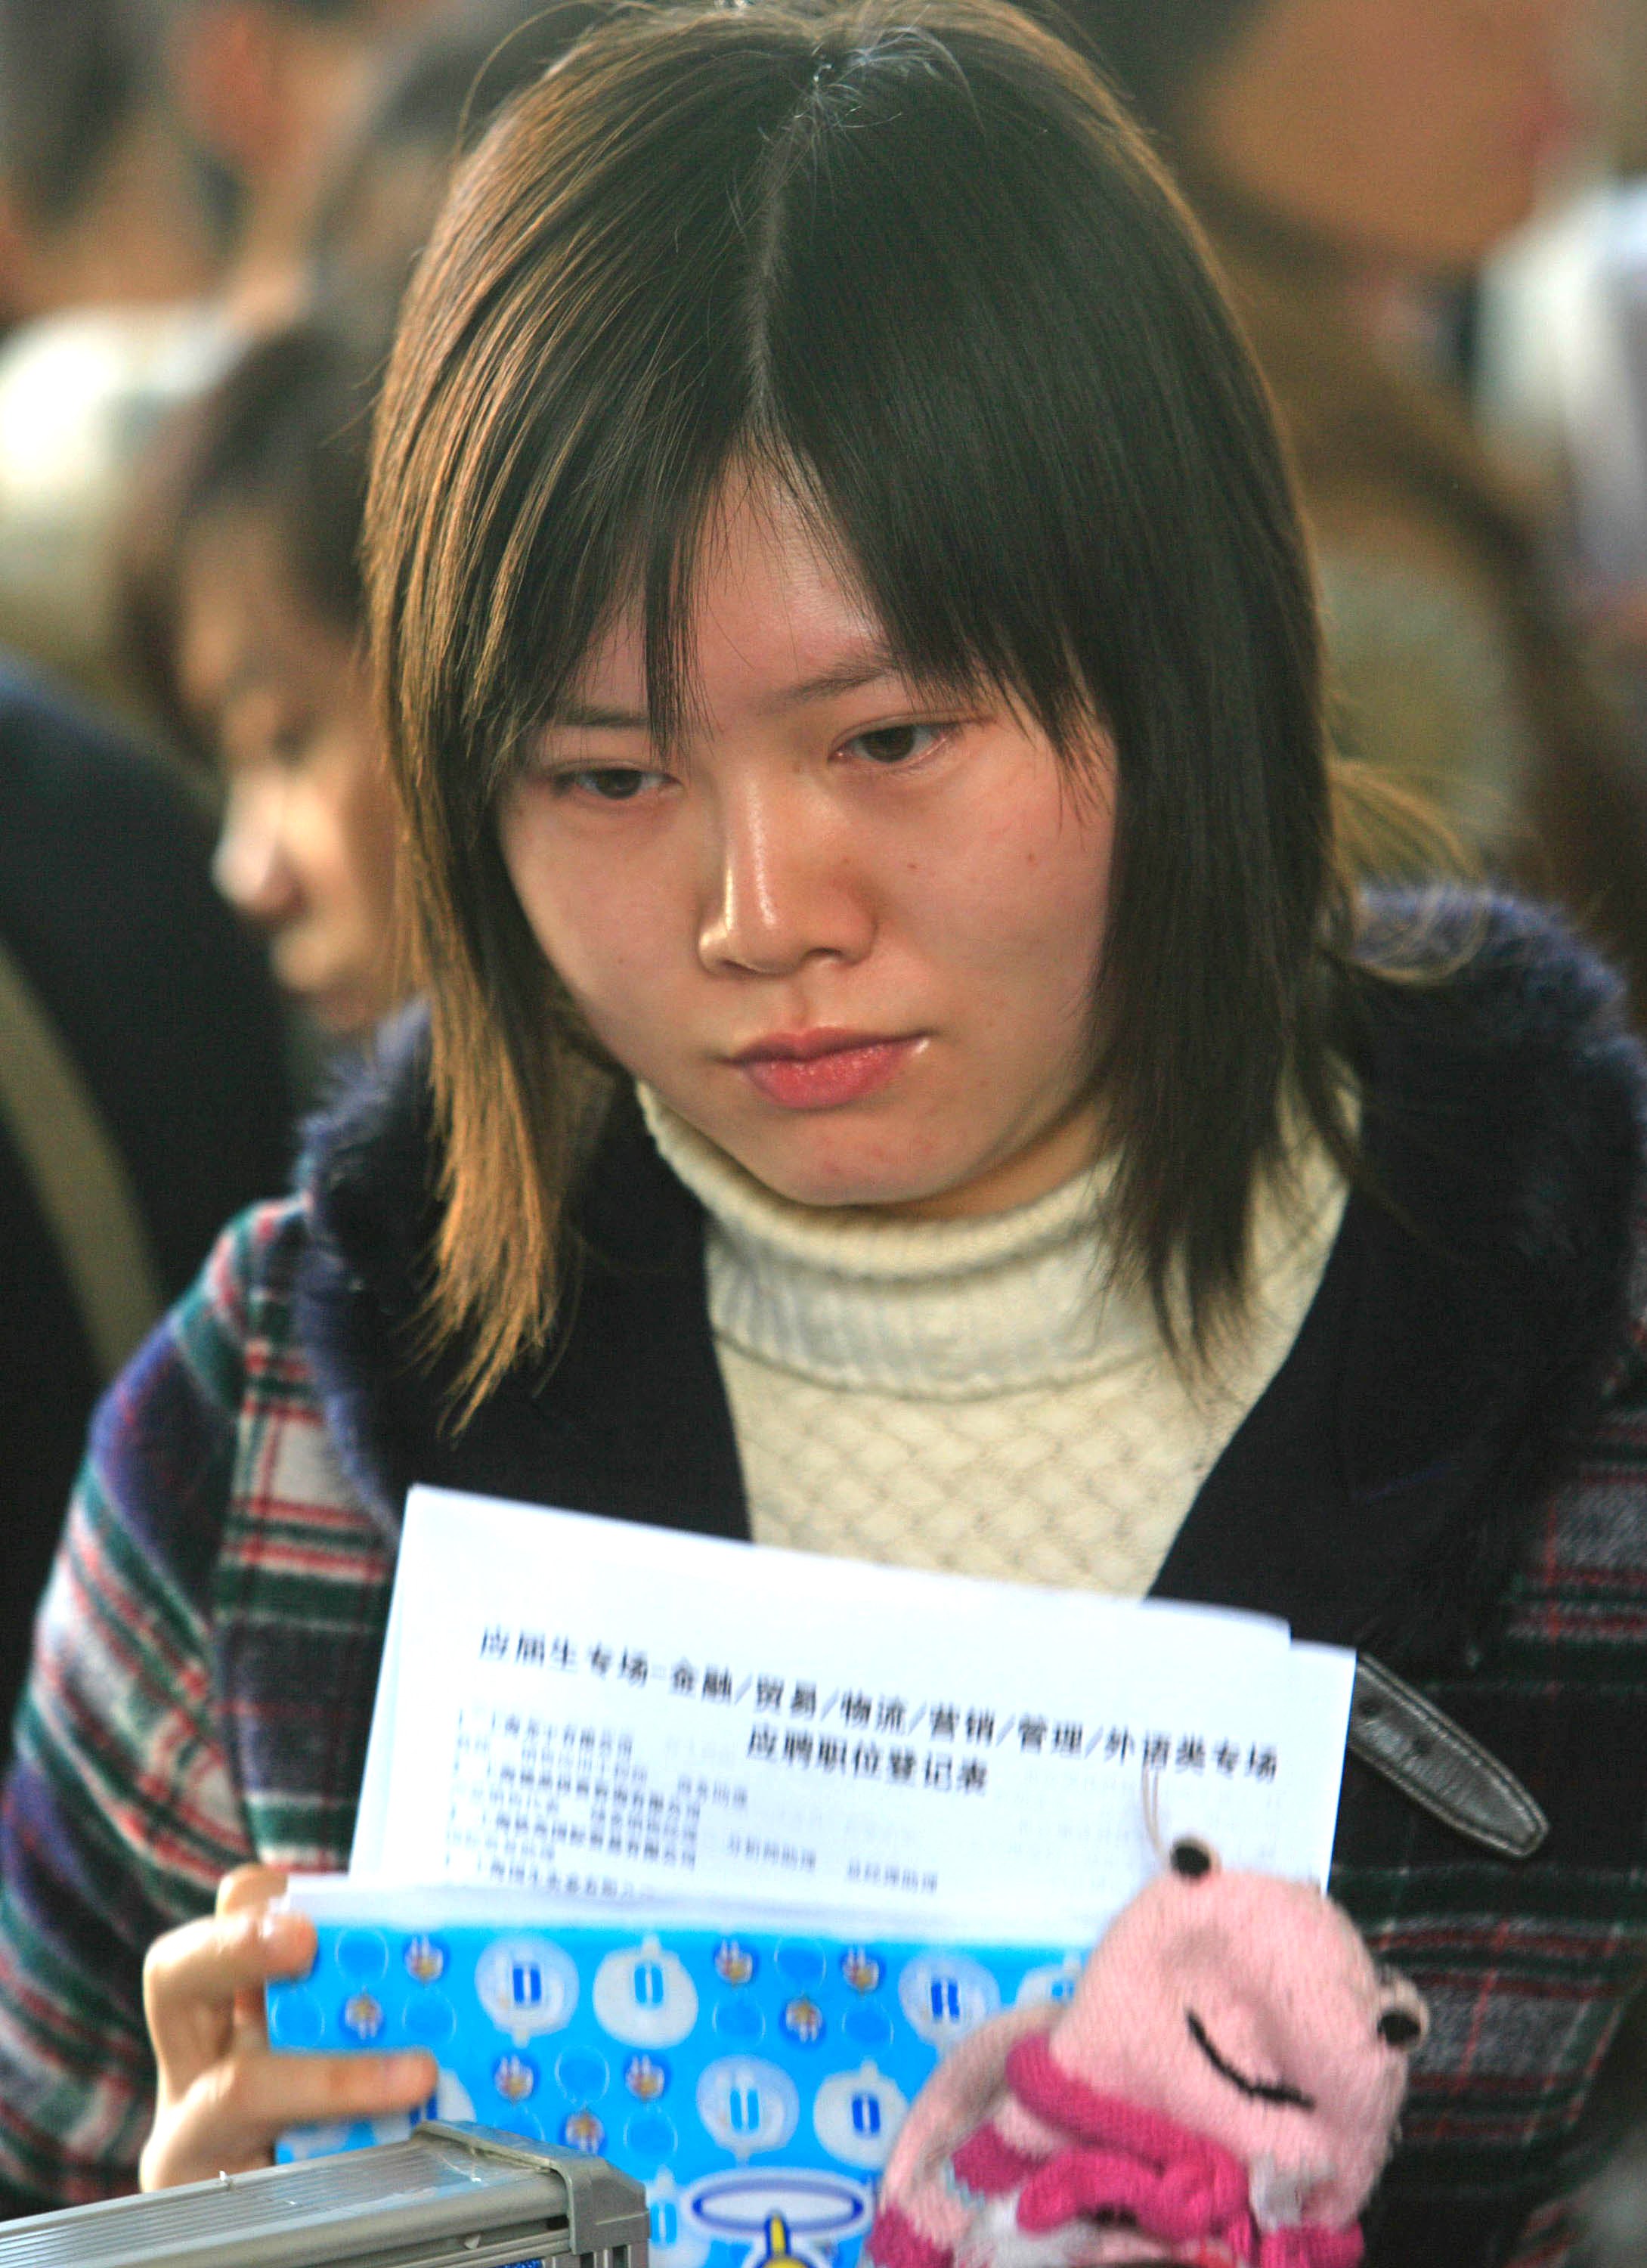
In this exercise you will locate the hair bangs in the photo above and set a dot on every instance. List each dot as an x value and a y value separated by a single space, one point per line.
896 375
823 327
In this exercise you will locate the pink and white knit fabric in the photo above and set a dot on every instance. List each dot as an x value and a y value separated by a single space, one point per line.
1133 2175
1221 2090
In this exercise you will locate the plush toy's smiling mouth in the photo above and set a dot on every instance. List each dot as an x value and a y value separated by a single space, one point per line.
1260 2090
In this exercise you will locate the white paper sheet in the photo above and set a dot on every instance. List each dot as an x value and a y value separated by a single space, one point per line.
576 1705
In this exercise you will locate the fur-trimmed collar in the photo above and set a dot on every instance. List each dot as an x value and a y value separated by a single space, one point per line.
1457 1347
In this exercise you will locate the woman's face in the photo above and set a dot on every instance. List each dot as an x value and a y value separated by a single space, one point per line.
851 933
1410 132
307 849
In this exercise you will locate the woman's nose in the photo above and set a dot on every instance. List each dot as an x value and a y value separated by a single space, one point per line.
249 864
782 890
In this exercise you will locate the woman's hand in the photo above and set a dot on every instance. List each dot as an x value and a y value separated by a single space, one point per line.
224 2094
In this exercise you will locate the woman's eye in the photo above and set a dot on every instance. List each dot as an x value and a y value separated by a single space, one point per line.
609 782
287 741
894 744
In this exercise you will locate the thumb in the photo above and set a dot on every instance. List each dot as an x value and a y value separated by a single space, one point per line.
250 1886
242 1888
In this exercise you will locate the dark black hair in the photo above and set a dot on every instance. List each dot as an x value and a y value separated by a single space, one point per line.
73 74
282 436
911 262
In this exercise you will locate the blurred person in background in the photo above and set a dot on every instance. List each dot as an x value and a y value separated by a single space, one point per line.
104 233
241 595
436 94
1562 352
262 91
245 610
142 1091
100 200
1352 160
271 91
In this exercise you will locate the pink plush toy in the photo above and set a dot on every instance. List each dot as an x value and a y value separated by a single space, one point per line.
1222 2089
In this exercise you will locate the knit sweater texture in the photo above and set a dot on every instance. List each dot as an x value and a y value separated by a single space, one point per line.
978 1395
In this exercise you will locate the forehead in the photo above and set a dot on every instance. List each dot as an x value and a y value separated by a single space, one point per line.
241 618
774 611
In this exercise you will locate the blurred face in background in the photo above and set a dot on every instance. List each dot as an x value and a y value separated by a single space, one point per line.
1412 133
271 91
308 844
139 235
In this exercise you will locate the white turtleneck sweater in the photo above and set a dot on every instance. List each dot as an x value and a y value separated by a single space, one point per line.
969 1395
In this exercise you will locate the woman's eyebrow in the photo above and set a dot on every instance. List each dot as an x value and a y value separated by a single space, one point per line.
591 716
859 666
855 669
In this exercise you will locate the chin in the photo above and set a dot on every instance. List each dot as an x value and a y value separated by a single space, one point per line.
870 1198
848 1185
341 1011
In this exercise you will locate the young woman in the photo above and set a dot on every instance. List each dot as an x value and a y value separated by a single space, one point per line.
902 1075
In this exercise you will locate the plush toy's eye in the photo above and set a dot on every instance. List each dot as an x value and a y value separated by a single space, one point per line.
1192 1860
1399 2027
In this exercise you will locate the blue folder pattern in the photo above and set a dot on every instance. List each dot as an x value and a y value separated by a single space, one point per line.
756 2082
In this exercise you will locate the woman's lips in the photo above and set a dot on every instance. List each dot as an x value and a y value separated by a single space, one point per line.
820 1072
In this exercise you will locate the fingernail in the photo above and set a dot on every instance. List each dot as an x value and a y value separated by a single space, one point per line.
287 1939
413 2069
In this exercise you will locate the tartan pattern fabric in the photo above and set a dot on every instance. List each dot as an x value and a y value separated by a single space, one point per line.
204 1669
1526 1968
208 1655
